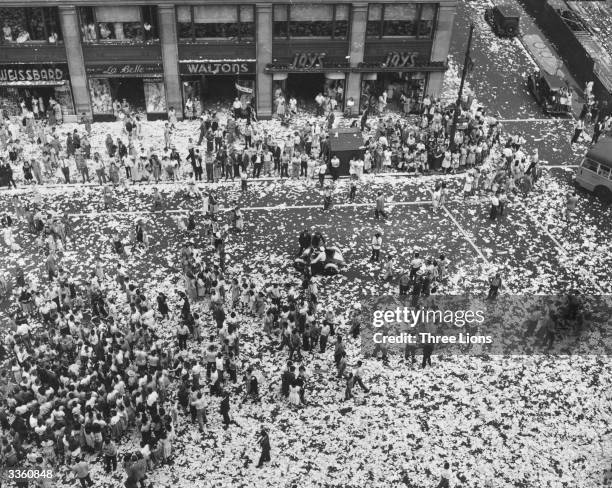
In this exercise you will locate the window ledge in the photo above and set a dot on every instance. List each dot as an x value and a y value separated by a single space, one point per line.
120 43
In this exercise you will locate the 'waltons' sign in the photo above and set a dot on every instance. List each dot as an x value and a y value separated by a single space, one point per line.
218 68
32 73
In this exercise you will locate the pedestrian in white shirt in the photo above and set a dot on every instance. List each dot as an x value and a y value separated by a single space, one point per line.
376 246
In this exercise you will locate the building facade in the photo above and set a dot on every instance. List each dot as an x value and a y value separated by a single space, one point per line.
94 56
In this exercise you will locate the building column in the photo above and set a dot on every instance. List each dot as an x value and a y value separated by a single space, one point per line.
264 56
356 51
441 46
170 58
71 33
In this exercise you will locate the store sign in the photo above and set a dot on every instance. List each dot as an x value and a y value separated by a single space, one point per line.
218 68
32 73
308 60
401 60
124 69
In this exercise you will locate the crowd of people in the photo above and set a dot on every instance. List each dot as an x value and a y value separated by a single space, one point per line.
92 362
240 147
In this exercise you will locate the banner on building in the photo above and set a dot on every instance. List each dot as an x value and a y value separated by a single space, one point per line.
244 89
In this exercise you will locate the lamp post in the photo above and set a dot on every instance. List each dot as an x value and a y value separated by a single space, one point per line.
466 64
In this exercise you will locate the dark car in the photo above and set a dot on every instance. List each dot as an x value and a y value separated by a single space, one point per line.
504 20
551 92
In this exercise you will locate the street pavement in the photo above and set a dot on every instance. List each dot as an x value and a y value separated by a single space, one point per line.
498 81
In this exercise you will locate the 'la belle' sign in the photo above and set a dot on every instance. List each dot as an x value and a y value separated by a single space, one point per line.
125 69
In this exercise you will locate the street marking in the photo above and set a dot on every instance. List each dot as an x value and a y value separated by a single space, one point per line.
466 236
536 119
559 247
228 209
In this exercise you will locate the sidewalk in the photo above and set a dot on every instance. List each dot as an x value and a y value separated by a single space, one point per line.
543 53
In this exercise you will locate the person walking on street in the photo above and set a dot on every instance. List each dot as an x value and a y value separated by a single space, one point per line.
376 246
494 207
264 443
495 284
445 477
380 207
357 376
81 470
224 409
578 129
109 449
427 352
572 203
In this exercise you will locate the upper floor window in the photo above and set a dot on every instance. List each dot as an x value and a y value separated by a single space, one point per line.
216 22
31 24
311 20
401 20
118 24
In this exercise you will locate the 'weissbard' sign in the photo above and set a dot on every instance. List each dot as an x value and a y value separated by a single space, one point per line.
218 68
32 73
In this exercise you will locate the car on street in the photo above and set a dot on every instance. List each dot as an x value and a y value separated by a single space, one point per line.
595 172
551 92
504 20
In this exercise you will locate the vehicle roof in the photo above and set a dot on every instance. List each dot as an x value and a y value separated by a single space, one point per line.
554 82
602 152
508 10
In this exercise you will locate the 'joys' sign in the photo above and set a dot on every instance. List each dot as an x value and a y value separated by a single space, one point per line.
401 60
308 60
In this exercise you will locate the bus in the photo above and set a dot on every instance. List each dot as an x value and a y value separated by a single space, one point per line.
595 172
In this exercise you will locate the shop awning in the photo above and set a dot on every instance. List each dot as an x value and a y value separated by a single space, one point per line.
335 76
32 83
382 68
289 68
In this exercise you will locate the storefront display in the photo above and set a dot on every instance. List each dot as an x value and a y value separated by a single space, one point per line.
127 88
155 96
207 83
398 92
306 86
34 87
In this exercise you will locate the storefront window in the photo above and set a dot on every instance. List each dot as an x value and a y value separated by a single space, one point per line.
311 20
216 22
44 101
401 20
397 92
118 24
32 24
155 96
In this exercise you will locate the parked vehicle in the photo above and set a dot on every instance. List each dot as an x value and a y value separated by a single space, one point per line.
504 19
551 92
595 171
